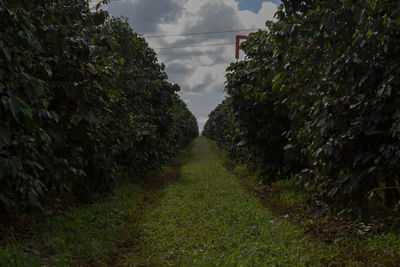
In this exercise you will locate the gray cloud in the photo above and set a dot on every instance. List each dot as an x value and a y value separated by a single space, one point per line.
178 68
215 16
146 15
203 105
199 71
207 81
215 55
177 72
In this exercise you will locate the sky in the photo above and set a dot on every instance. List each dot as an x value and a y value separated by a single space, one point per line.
200 71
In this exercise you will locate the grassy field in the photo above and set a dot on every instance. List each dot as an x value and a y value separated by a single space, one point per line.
356 244
207 219
196 213
91 235
86 235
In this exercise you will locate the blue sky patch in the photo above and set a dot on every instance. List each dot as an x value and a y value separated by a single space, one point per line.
254 5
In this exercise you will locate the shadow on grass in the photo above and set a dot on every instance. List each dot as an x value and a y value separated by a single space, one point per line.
357 244
97 234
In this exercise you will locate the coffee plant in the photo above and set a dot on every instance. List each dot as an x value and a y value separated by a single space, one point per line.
317 97
83 98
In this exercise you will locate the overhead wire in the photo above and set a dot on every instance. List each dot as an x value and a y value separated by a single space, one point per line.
192 46
198 33
98 1
201 33
192 34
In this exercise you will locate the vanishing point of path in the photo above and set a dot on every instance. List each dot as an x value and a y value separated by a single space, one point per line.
207 219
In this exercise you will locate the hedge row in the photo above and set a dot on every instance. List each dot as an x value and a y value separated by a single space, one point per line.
83 99
318 97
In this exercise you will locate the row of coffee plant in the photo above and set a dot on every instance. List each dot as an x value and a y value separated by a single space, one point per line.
318 97
83 100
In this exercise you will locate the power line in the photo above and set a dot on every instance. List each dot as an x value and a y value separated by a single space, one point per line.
192 33
98 1
188 34
199 33
191 46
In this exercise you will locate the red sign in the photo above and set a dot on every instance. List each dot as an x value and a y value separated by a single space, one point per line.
238 38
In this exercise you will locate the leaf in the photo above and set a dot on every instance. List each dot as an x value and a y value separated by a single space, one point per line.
16 166
39 186
363 79
33 198
7 201
333 191
6 53
25 109
369 33
343 178
5 134
322 210
385 48
13 104
47 69
372 169
288 146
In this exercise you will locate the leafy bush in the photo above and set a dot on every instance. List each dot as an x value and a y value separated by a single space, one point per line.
316 97
82 98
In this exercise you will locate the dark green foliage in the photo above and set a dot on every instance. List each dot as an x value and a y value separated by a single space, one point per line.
318 97
82 98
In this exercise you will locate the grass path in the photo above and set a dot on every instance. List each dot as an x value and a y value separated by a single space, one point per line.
207 219
204 218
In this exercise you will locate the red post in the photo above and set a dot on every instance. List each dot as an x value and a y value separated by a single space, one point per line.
238 38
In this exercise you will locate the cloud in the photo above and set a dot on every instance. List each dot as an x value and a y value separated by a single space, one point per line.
214 16
202 119
266 12
196 56
204 80
147 15
199 71
177 72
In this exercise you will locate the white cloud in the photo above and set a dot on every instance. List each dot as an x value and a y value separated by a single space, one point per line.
202 119
251 20
199 71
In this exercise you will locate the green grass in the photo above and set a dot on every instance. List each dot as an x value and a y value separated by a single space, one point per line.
208 219
283 195
87 234
288 201
95 234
